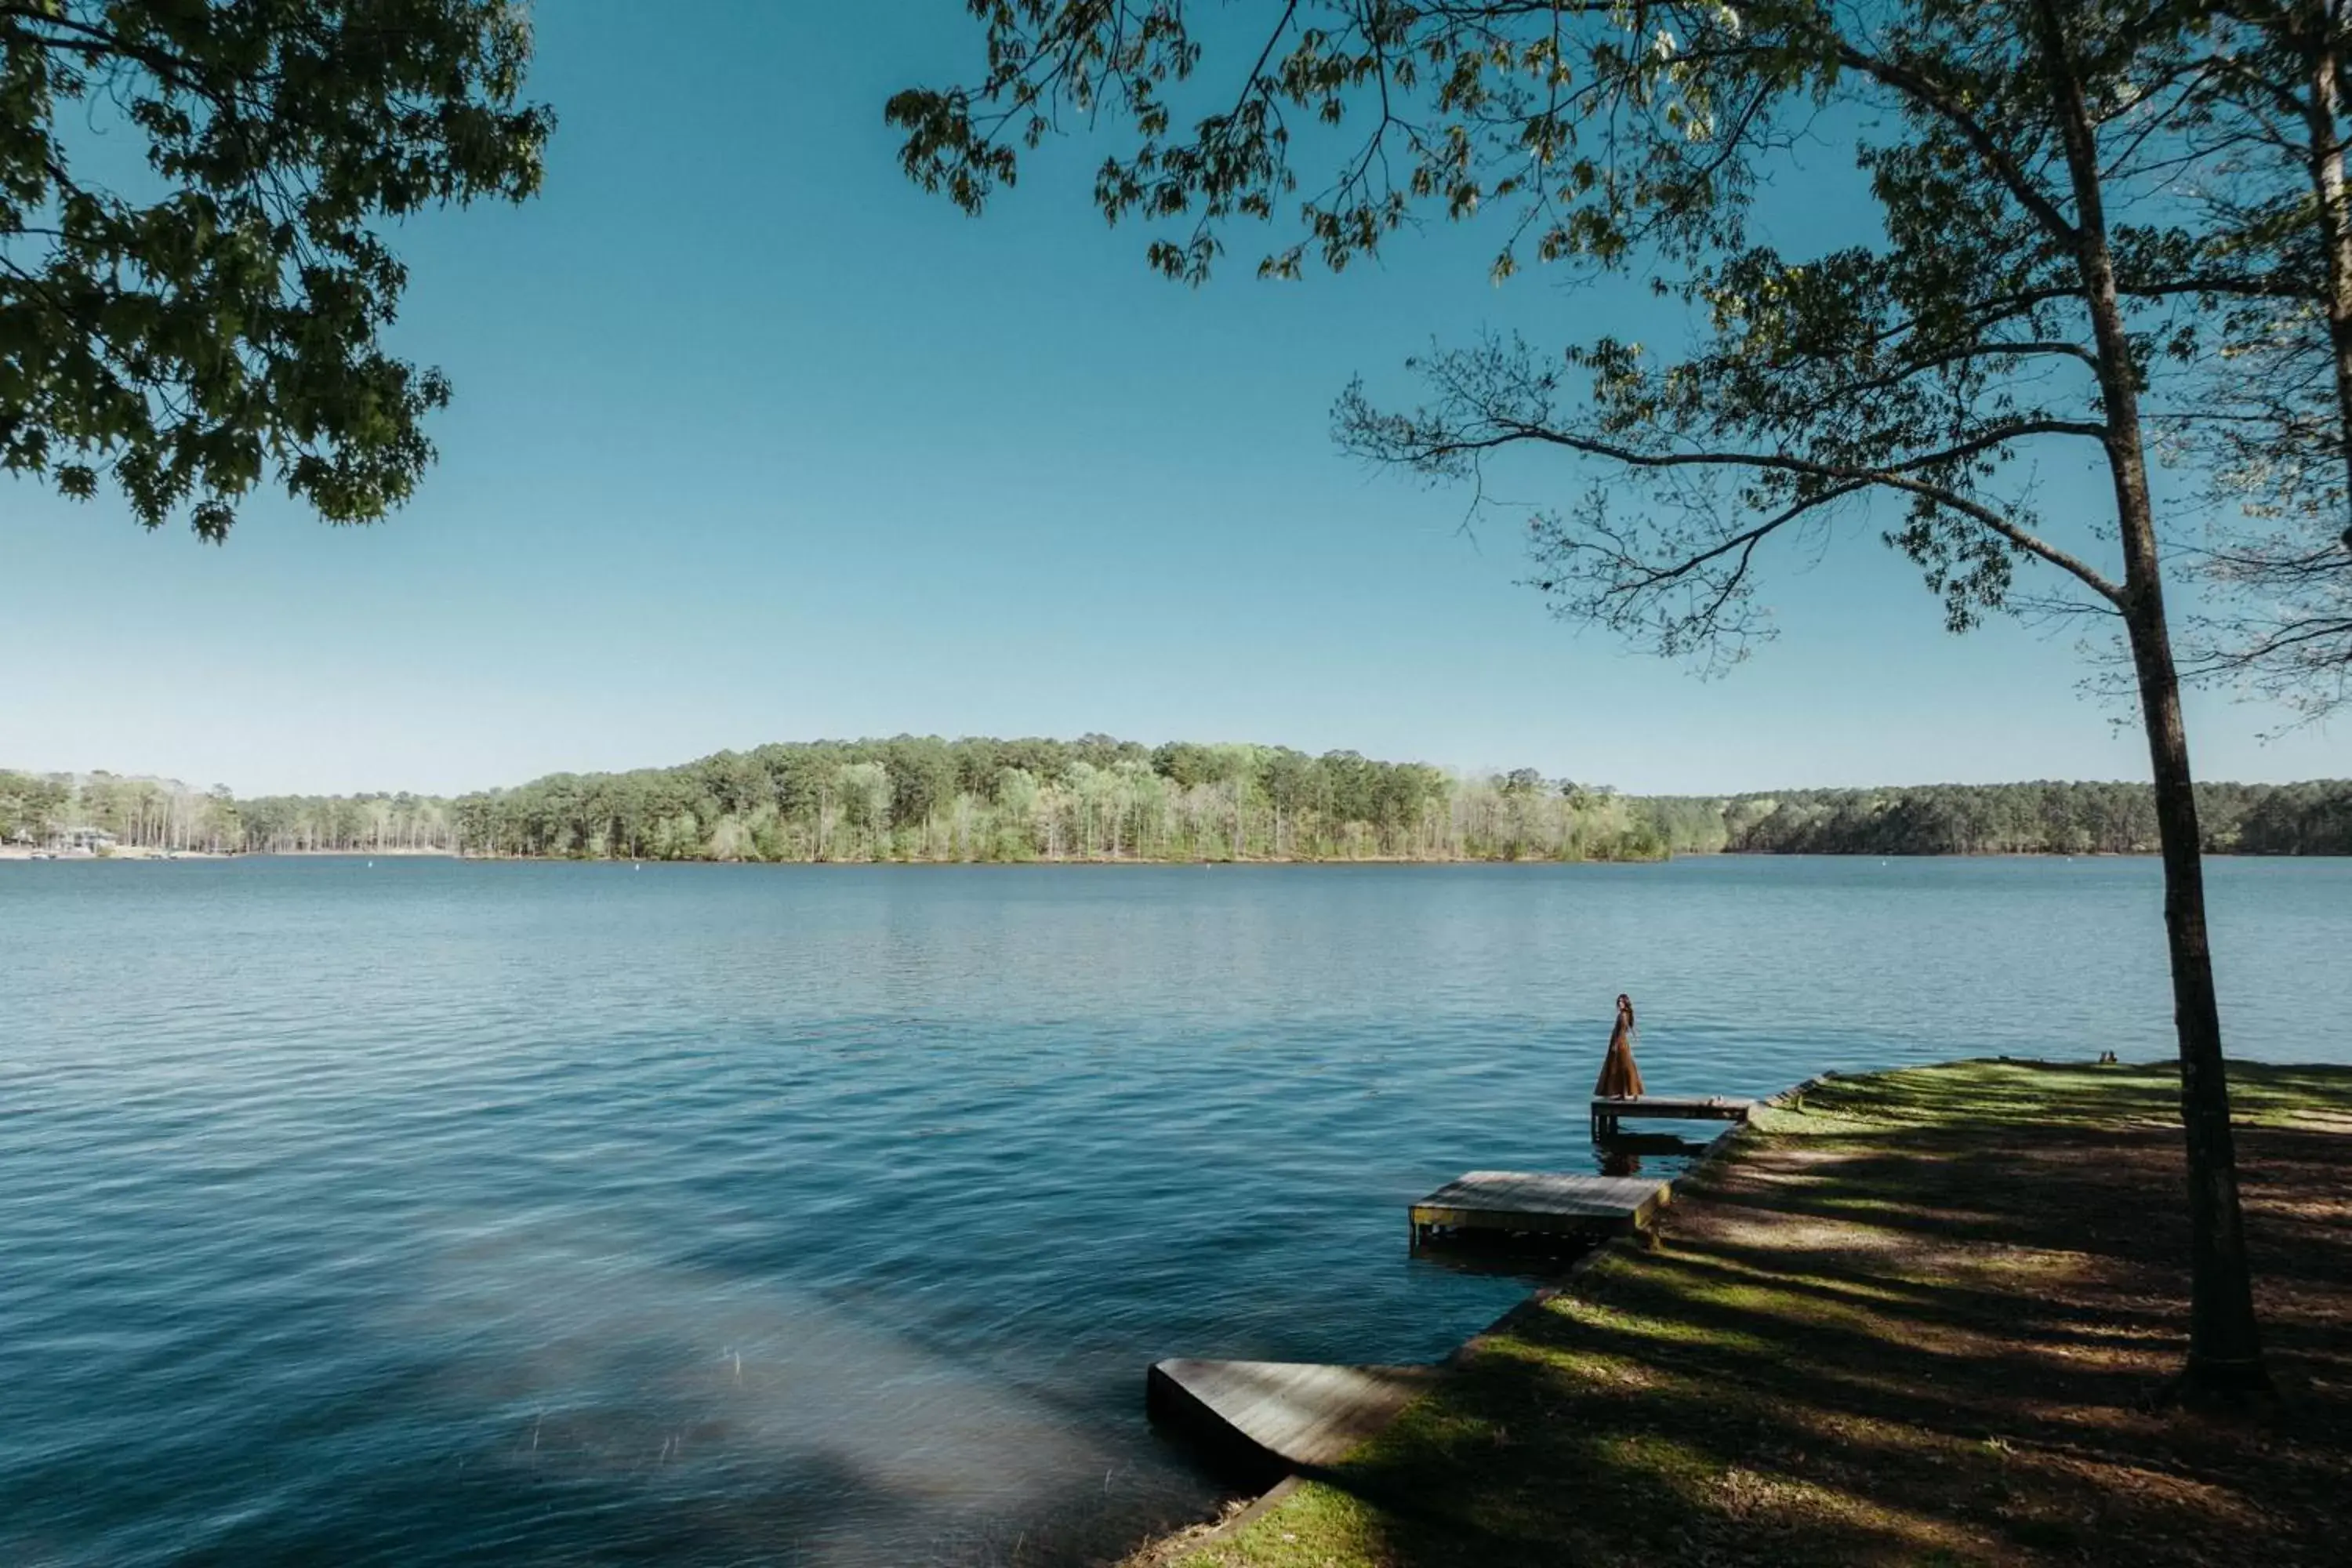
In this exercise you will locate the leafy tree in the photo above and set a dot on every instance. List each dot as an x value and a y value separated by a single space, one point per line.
31 806
864 794
219 318
2265 119
2035 276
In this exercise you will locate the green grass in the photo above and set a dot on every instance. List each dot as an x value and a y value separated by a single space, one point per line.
1915 1322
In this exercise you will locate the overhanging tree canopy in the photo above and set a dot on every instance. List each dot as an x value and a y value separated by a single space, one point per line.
189 329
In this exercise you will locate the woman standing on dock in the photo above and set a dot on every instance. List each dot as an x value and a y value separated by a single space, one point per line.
1620 1079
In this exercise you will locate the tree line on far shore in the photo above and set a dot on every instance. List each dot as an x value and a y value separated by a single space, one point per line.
2041 818
1095 798
164 814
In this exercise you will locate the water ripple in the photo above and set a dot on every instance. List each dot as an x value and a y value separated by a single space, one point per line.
466 1213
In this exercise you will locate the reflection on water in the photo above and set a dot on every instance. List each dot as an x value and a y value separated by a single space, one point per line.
1661 1154
536 1213
604 1354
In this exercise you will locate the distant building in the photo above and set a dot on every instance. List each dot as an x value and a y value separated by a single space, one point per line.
81 840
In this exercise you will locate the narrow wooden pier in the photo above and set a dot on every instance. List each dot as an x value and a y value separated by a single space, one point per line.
1607 1112
1539 1203
1258 1419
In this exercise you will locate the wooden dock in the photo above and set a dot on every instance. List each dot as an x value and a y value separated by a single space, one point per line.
1539 1203
1607 1112
1259 1419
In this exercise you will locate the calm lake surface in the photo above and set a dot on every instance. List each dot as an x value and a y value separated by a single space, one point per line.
441 1212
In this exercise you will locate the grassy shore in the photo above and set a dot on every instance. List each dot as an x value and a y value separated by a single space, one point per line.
1916 1323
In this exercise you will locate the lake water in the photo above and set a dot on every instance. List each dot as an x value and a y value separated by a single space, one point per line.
441 1212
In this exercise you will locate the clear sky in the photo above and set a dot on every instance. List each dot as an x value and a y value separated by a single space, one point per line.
753 441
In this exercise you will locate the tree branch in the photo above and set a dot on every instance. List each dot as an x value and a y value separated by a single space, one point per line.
2004 168
1895 478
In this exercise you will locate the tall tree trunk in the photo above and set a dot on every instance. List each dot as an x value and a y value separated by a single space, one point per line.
2335 213
2224 1346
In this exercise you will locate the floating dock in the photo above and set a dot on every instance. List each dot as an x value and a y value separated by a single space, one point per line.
1539 1203
1607 1112
1259 1419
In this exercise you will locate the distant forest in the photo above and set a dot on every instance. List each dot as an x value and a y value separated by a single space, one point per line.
2046 818
168 816
924 799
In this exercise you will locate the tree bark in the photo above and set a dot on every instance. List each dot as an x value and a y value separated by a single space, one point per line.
2335 213
2224 1345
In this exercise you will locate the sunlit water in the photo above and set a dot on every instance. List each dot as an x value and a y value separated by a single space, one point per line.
432 1212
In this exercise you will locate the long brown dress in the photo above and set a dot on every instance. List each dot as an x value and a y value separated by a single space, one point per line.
1620 1079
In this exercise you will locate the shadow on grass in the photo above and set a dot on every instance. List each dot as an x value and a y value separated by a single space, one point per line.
1917 1324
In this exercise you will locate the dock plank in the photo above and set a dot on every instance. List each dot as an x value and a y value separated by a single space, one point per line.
1279 1415
1684 1107
1608 1110
1544 1202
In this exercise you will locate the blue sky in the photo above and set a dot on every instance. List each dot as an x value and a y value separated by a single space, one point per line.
752 441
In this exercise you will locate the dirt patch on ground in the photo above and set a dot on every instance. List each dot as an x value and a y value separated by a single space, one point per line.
1917 1323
